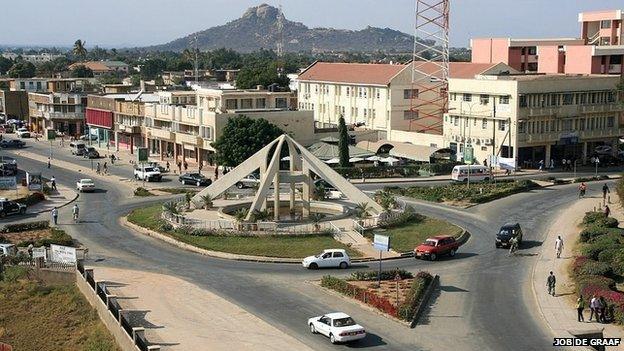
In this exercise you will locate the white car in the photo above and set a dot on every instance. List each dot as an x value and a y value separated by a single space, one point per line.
85 185
23 133
337 326
147 173
337 258
8 250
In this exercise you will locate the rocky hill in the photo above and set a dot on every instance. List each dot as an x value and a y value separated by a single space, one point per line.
257 29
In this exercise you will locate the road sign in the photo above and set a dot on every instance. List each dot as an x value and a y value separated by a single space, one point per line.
142 155
7 183
50 134
468 155
381 242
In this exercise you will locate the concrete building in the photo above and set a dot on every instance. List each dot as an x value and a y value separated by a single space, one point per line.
529 118
598 50
100 68
14 104
32 58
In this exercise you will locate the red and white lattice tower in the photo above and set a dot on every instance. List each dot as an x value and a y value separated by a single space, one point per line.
430 67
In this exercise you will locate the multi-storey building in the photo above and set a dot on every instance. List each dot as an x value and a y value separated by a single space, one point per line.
14 104
528 118
100 68
599 50
32 58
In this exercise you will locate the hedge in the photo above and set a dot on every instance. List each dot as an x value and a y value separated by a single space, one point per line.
57 237
415 295
379 172
385 275
591 232
343 287
31 199
591 267
26 226
619 189
599 219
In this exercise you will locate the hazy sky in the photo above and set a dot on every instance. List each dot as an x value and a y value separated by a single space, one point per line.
120 23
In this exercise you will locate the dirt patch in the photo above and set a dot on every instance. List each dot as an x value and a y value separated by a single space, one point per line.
34 235
387 290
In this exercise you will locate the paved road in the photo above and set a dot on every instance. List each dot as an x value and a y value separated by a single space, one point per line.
485 301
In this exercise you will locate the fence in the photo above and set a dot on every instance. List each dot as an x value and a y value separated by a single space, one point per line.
362 225
108 303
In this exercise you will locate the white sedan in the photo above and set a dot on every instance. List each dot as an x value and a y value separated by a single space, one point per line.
336 258
84 185
337 326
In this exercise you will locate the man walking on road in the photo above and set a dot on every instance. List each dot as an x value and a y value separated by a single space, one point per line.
49 162
53 183
550 283
580 306
75 212
605 190
592 308
559 246
55 216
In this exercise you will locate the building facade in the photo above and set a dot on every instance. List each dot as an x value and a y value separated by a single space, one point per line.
14 104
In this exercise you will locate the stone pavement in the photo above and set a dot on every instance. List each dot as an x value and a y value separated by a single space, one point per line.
559 311
182 316
57 198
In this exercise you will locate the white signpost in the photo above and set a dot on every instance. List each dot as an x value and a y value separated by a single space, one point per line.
62 254
39 252
381 243
8 183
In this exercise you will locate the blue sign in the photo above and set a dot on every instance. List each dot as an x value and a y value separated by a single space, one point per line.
381 242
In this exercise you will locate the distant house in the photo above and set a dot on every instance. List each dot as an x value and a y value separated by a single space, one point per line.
103 67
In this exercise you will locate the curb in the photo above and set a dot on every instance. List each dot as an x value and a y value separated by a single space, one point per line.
61 206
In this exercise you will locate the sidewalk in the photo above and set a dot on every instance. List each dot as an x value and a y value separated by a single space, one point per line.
559 311
182 316
58 198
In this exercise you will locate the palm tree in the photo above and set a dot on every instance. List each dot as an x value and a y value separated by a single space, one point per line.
362 210
79 49
240 216
170 207
316 219
207 201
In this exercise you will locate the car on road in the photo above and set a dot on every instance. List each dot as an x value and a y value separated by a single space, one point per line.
157 165
603 149
23 133
149 174
85 185
472 173
331 193
506 232
8 250
437 246
90 152
8 166
8 207
249 181
12 144
194 179
77 148
331 258
338 327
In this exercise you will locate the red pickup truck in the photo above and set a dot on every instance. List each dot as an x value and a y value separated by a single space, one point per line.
436 246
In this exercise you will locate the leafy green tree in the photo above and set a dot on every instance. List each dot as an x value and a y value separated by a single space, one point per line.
262 72
152 68
79 50
82 71
109 78
22 69
343 142
5 65
241 138
47 69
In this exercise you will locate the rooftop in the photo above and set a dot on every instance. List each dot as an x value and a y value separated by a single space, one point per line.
131 97
360 73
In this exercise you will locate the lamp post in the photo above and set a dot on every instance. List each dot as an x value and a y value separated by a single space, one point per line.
595 160
466 121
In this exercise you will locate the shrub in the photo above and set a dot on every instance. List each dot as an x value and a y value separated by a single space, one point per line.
185 230
26 226
31 199
592 231
599 219
608 255
594 247
415 295
591 267
57 237
617 264
355 292
14 273
165 227
385 275
606 283
140 191
619 189
202 232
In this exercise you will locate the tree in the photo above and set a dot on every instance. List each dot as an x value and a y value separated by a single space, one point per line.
241 138
79 50
362 210
82 71
343 142
260 72
152 68
5 65
109 78
22 69
207 201
47 69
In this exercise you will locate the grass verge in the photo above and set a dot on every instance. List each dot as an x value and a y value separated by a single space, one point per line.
406 237
51 317
284 246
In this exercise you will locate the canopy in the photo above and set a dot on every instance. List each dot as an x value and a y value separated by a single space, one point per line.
356 159
332 161
374 158
421 153
326 151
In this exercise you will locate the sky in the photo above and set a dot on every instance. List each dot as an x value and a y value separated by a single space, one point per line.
129 23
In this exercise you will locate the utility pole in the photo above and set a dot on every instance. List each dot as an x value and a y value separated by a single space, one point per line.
280 42
196 49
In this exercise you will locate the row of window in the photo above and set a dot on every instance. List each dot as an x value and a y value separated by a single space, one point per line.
205 132
568 124
568 98
499 124
484 99
349 91
248 103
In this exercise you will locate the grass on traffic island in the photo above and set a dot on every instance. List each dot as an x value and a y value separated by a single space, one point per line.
402 303
48 317
462 194
283 246
37 233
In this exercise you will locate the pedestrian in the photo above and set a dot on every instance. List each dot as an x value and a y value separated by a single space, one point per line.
75 212
112 157
563 164
582 189
200 167
603 309
559 246
605 191
180 167
167 166
541 165
592 308
49 162
105 168
97 168
485 162
550 283
53 183
552 164
55 216
580 306
216 172
185 166
607 211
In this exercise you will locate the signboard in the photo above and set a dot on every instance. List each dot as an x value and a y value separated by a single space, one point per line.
39 252
50 134
8 183
142 155
62 254
33 180
507 163
468 155
381 242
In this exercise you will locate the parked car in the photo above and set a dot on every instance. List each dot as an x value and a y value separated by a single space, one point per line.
336 258
12 144
85 185
90 152
77 148
8 250
603 149
337 326
331 193
8 166
249 181
437 246
156 165
8 207
506 232
23 133
6 128
150 174
194 178
88 137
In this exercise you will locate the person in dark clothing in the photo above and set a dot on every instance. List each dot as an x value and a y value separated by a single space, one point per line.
216 172
605 191
607 211
180 167
167 166
185 166
603 309
550 283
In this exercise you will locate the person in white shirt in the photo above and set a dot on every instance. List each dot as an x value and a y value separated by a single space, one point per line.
559 246
592 307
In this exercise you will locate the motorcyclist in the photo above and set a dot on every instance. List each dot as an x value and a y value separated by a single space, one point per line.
75 212
582 188
513 245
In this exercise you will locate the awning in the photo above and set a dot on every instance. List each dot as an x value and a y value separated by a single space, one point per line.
421 153
325 151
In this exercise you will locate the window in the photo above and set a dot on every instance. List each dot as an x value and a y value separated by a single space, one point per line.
365 92
454 96
360 92
231 104
246 104
410 93
523 101
532 50
410 115
261 103
610 121
338 254
38 85
281 103
532 66
610 96
348 91
467 97
581 125
455 120
378 93
567 124
567 99
484 99
605 24
502 125
474 122
583 99
484 123
521 127
23 85
504 100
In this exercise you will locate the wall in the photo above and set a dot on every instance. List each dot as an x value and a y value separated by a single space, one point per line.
15 104
417 138
579 60
490 50
550 60
100 118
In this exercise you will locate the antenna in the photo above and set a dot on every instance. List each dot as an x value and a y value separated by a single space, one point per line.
430 66
280 41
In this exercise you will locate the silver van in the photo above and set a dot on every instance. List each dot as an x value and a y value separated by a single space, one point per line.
77 148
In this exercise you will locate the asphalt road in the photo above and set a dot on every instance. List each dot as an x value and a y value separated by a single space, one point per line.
489 292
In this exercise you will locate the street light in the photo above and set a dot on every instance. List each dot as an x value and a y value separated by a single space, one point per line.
595 160
466 121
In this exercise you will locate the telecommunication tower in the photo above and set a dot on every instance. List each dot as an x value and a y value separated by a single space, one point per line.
280 42
430 66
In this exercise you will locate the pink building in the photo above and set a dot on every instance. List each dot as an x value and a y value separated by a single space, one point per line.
599 50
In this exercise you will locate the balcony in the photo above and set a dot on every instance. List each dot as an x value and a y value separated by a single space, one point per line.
615 69
556 136
567 110
127 129
162 134
64 115
184 138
